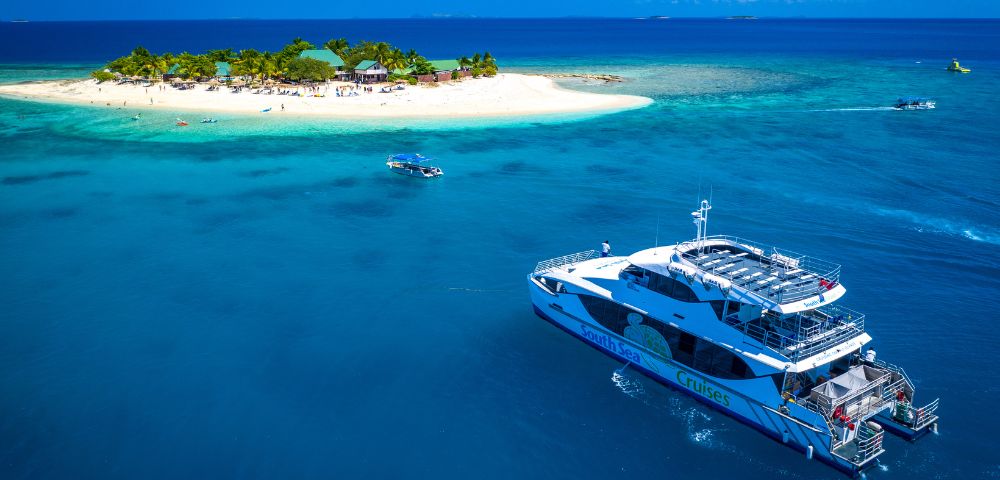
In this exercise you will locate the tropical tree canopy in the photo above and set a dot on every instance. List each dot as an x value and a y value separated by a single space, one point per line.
337 45
256 64
309 69
225 55
422 67
292 51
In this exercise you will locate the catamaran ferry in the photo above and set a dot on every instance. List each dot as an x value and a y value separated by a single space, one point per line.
749 329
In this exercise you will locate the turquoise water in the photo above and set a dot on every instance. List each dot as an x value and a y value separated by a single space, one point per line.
261 298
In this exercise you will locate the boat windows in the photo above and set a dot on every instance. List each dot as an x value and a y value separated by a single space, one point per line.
686 349
687 343
672 288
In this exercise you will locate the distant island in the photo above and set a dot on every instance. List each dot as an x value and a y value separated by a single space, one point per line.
741 17
367 79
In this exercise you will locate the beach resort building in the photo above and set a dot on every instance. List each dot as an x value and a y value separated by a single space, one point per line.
370 71
223 70
443 69
327 56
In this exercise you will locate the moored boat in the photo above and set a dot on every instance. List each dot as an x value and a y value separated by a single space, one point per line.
412 165
749 329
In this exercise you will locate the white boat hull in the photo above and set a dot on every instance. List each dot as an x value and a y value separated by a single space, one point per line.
753 401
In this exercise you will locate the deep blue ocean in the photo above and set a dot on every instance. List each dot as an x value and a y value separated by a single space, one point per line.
262 299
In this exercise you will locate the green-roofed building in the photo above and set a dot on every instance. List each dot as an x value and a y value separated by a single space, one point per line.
173 69
325 55
444 65
222 69
369 71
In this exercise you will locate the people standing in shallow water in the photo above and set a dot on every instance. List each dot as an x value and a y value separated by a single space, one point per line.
605 249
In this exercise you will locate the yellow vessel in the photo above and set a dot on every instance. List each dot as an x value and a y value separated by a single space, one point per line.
955 67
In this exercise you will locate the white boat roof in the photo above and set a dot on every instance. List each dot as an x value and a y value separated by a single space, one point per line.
779 280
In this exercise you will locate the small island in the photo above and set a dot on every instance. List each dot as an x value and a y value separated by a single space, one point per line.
367 79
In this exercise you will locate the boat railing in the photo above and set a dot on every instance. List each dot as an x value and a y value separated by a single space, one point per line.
926 415
861 403
571 259
806 333
867 445
780 261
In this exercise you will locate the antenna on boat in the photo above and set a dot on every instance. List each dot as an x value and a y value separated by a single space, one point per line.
656 243
700 218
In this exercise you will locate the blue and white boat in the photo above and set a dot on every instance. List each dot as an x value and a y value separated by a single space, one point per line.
749 329
413 165
913 103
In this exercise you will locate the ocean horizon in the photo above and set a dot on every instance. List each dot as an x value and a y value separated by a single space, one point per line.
261 298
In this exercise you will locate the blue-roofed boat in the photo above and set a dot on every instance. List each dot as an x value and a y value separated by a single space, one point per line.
412 165
913 103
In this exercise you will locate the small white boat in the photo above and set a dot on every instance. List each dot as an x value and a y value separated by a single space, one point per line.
913 103
411 165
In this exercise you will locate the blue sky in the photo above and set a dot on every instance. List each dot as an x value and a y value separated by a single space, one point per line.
200 9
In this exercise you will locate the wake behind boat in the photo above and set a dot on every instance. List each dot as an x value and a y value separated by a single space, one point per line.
749 329
412 165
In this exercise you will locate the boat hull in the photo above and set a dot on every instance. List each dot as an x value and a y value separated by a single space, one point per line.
747 404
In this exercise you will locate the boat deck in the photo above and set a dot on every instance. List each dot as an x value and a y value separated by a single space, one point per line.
781 276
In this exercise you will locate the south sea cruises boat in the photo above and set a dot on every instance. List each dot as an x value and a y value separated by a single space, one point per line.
749 329
413 165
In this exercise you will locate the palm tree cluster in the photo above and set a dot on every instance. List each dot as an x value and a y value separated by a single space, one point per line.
483 64
261 65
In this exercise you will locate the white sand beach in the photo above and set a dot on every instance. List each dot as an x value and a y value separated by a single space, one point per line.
503 95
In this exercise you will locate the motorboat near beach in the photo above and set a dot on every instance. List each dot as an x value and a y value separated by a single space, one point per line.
752 330
913 103
413 165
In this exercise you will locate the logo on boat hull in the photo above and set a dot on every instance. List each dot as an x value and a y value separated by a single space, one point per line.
703 388
610 344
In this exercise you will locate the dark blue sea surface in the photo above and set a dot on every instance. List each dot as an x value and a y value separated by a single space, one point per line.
260 298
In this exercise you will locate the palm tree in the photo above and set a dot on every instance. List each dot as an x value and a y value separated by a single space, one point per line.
152 66
382 52
476 60
337 45
246 64
464 62
268 65
411 56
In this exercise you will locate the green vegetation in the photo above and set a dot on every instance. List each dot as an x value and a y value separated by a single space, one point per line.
102 76
195 66
479 65
309 69
285 63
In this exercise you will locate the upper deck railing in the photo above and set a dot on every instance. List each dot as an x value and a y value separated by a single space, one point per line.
775 273
571 259
803 334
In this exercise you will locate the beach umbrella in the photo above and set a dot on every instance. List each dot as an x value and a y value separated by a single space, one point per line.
213 82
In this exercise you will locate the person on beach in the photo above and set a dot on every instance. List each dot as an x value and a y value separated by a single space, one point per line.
282 107
605 249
